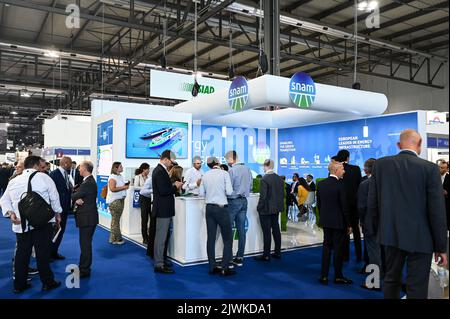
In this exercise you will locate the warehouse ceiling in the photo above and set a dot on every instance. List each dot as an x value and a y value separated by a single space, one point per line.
46 66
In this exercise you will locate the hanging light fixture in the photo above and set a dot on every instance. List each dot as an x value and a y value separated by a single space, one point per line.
263 65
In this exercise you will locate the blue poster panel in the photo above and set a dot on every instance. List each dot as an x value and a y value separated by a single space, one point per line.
308 149
104 161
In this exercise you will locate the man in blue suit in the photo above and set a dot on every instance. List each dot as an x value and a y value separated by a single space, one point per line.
64 185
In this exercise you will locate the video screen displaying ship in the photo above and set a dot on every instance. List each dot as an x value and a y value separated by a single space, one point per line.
156 133
149 138
164 138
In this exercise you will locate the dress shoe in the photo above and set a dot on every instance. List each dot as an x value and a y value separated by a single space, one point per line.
58 257
238 261
373 289
28 278
215 271
262 258
343 281
51 285
164 270
323 280
168 263
228 272
276 256
32 271
19 290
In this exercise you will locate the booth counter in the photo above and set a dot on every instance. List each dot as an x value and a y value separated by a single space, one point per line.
189 235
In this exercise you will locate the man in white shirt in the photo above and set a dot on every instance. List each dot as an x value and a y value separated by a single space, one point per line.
193 176
216 186
28 236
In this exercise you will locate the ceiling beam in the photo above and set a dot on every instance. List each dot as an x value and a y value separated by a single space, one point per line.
44 22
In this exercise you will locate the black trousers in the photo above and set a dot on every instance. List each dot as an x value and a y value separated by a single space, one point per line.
269 223
146 210
151 239
418 273
57 243
86 235
354 224
333 239
365 255
218 216
40 239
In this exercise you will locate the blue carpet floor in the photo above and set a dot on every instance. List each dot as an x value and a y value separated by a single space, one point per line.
125 272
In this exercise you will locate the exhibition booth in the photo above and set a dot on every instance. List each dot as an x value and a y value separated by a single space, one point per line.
296 122
67 135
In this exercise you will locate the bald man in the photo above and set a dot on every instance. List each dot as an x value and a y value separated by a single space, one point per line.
64 185
407 207
335 221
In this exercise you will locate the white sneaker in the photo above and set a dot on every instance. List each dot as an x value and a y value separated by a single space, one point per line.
121 242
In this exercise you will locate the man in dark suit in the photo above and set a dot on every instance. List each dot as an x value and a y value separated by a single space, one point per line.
445 177
406 207
75 174
310 181
65 188
163 207
86 216
372 249
334 219
270 204
291 196
352 179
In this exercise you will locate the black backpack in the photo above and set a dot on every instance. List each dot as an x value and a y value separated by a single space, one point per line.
34 209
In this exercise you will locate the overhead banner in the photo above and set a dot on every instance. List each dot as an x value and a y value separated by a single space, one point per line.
178 86
3 137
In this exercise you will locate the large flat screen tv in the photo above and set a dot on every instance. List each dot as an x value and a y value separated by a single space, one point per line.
149 138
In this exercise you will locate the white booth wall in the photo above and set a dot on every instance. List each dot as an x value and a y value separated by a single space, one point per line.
118 112
67 132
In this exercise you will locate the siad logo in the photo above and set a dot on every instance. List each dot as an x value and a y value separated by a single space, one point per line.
302 90
238 93
204 89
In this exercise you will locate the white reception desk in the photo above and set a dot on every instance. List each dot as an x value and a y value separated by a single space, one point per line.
188 240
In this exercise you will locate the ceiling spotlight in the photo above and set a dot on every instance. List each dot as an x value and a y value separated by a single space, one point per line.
372 5
195 88
25 94
7 124
13 113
